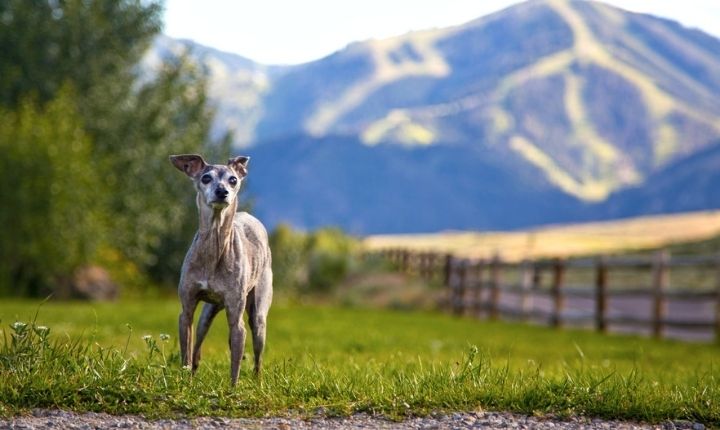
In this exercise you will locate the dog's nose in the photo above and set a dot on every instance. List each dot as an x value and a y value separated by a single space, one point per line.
221 193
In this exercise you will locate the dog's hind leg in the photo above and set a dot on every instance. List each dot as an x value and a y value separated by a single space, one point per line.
258 343
206 317
237 338
259 301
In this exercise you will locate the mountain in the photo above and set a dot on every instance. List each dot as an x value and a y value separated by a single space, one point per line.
537 113
594 97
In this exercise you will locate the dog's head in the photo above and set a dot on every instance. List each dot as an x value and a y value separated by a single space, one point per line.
216 184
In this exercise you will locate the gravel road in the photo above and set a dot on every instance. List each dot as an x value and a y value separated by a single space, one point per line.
55 419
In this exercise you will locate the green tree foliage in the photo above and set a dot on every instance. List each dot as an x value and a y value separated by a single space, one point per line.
167 115
83 56
93 44
52 197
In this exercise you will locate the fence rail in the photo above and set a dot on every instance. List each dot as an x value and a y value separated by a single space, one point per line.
660 294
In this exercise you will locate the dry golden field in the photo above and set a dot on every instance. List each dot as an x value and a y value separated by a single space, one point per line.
563 240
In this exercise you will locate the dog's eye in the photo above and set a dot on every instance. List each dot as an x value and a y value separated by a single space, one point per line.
233 181
206 179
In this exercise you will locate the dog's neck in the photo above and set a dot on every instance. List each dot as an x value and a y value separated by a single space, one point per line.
216 231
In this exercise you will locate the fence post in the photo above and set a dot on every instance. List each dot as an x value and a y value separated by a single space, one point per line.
557 296
494 287
479 284
601 294
462 286
660 279
405 261
422 265
717 300
450 281
447 269
430 267
526 282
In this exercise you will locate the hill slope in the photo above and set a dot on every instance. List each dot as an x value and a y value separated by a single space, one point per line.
689 184
311 182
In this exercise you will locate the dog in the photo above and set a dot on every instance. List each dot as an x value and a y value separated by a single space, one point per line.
228 265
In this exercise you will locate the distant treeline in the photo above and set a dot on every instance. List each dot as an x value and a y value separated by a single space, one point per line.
85 139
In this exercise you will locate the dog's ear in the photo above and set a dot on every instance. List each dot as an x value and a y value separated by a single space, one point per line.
239 164
190 164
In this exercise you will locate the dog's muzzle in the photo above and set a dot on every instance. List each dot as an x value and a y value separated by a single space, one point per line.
220 198
221 193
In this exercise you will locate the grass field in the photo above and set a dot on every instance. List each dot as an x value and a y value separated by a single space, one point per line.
344 360
564 240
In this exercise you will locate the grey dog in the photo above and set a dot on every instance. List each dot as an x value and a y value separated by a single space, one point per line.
228 265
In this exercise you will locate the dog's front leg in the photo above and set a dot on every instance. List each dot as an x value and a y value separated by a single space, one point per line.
237 337
186 332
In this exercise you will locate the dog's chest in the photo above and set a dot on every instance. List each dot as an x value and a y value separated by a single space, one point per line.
213 260
206 293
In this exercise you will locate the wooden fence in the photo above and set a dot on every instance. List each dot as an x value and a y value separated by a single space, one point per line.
659 295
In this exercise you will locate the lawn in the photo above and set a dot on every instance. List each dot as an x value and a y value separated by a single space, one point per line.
99 357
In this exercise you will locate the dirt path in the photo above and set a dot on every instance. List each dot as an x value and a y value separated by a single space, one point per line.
54 419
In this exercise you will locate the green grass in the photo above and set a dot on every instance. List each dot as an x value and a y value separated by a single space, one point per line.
344 360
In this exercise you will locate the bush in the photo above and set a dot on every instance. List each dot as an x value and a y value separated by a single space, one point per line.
331 256
311 262
288 258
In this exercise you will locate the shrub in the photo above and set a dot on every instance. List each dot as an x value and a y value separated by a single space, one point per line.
311 262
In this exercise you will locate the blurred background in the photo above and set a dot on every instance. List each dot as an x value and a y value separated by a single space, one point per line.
469 131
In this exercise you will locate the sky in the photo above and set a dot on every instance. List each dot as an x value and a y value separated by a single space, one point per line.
297 31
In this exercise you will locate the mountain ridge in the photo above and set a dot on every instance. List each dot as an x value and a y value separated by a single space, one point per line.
585 99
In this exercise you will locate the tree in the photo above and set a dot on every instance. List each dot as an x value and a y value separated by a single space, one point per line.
168 115
83 56
93 44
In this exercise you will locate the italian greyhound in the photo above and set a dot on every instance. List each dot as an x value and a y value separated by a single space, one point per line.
228 265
